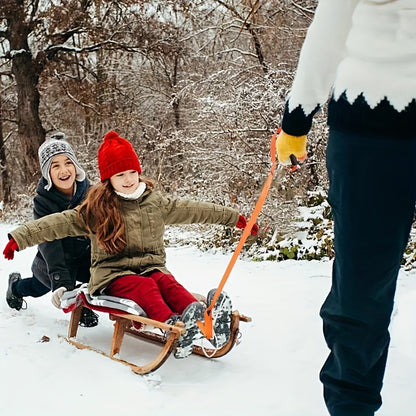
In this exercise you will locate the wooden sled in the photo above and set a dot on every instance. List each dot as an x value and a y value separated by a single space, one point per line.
123 323
199 350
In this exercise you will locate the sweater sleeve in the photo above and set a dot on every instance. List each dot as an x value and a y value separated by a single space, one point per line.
321 53
49 228
179 211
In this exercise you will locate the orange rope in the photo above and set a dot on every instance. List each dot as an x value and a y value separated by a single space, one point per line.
206 327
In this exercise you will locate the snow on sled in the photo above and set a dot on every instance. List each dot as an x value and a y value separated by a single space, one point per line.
127 315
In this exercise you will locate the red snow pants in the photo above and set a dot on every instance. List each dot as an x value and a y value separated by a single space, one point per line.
159 294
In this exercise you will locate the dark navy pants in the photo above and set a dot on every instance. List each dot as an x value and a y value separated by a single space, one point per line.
372 194
30 287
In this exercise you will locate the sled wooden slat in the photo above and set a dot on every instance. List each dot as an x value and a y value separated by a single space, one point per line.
123 323
206 351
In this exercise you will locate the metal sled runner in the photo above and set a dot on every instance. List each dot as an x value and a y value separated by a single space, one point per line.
125 313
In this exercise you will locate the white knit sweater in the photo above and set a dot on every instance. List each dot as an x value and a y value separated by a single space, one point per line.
363 49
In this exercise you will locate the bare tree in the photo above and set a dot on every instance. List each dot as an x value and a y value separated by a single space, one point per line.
5 183
35 34
198 87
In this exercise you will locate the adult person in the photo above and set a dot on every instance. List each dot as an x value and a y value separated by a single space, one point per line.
360 55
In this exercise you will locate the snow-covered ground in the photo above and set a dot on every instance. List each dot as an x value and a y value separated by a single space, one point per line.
274 371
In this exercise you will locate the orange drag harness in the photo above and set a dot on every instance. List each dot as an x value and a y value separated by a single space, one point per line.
206 327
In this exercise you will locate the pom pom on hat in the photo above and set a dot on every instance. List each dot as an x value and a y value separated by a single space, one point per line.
116 155
56 145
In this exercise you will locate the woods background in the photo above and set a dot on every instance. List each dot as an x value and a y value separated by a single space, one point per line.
197 86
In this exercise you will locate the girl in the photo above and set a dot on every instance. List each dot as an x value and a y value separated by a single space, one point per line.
125 219
59 263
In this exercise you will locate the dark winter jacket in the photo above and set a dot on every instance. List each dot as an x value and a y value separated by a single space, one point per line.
60 262
144 219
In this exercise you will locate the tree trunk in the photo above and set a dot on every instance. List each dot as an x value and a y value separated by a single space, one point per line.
26 73
5 179
30 130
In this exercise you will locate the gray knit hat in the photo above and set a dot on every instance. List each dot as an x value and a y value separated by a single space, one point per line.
56 145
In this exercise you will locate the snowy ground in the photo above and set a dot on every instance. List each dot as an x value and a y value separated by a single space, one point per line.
274 371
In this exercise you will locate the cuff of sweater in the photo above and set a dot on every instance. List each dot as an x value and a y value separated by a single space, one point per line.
296 122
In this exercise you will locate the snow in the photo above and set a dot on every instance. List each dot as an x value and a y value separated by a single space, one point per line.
273 371
14 53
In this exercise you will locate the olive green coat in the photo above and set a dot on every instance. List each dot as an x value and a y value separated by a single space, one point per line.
145 220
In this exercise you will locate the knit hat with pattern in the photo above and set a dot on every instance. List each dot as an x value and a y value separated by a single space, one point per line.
116 155
57 145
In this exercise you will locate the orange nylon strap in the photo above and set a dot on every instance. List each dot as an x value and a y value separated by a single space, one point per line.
206 327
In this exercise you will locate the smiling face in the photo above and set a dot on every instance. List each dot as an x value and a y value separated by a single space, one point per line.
125 182
63 174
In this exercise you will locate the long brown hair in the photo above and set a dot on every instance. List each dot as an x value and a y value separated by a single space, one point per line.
101 212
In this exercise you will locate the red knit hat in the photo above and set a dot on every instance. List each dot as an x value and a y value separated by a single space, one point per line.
116 155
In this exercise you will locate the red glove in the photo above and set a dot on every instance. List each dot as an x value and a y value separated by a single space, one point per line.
10 248
242 223
254 229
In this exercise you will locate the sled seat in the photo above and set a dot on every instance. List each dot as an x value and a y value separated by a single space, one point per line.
128 316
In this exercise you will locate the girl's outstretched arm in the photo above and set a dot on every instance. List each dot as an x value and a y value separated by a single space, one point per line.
52 227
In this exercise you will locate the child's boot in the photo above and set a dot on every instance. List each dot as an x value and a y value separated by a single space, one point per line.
221 317
192 313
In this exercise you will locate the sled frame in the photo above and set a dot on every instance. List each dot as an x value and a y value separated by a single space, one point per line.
123 321
123 324
199 350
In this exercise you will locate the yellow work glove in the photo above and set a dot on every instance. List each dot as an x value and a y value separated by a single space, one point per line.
290 149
